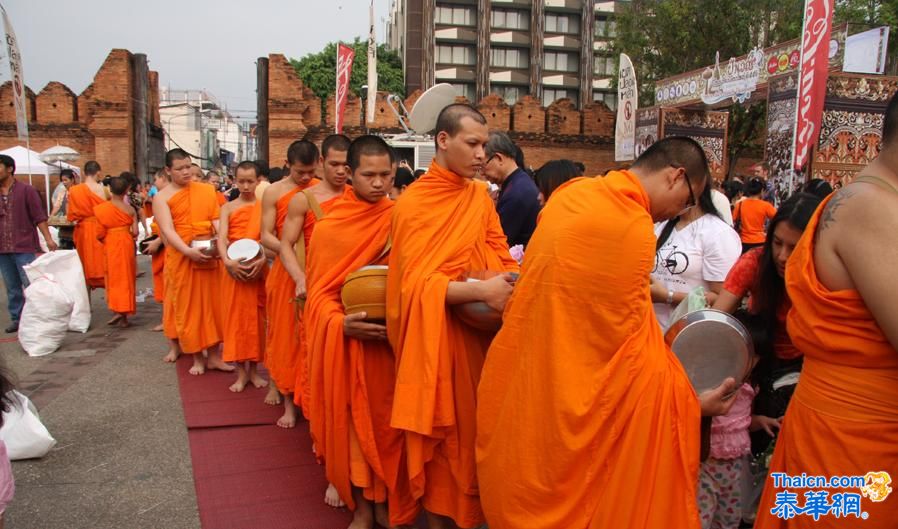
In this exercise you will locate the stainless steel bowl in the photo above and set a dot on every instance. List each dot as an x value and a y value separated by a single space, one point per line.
712 346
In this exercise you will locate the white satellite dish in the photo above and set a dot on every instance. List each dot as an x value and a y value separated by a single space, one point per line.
423 117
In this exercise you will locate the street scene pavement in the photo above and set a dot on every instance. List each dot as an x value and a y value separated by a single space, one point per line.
122 458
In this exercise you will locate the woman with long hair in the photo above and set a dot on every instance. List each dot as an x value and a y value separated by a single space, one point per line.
551 175
697 248
760 275
751 214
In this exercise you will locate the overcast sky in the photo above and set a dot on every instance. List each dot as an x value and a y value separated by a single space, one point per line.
193 44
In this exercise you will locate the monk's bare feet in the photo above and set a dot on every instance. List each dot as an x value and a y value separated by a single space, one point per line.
288 419
242 379
381 515
158 328
172 356
257 381
123 323
363 516
332 497
273 398
199 365
115 319
215 362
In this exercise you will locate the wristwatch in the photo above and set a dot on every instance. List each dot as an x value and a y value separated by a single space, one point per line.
670 297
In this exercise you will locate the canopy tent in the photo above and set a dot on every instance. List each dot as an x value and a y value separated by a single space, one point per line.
29 163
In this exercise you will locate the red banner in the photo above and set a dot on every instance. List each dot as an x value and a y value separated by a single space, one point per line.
345 55
813 71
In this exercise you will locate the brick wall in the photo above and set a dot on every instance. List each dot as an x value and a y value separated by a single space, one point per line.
561 131
98 123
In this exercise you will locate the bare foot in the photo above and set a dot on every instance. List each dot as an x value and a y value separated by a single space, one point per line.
199 365
242 379
381 516
172 356
332 497
288 419
115 319
158 328
215 362
363 516
258 381
273 398
123 323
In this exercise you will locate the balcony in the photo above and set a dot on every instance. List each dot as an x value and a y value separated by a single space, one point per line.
456 34
510 76
515 38
567 80
565 42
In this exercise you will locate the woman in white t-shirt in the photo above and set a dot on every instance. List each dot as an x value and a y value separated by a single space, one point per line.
694 249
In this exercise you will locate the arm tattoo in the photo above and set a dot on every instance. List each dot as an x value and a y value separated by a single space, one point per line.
828 217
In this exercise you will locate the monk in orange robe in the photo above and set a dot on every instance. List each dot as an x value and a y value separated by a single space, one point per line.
444 227
82 199
304 210
585 418
187 211
842 419
119 223
282 338
243 283
352 373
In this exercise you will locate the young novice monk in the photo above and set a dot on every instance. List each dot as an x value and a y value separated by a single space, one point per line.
120 225
243 284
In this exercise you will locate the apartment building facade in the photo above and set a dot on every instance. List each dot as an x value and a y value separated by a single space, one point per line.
549 49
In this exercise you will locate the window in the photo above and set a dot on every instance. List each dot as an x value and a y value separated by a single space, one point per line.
550 95
464 90
609 98
509 93
510 19
560 61
562 24
510 58
463 55
605 27
455 15
605 65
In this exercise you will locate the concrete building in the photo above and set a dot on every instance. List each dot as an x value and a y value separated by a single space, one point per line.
194 121
549 49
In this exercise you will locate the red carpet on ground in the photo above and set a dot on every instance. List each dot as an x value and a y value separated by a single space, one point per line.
248 472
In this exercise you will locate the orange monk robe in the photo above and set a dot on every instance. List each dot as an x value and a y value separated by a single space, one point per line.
158 260
222 199
302 364
282 337
80 209
351 381
443 227
243 319
842 419
120 258
585 417
192 291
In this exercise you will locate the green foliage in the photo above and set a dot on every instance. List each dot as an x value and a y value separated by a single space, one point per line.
319 70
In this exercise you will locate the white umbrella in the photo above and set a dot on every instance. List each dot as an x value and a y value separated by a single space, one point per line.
59 153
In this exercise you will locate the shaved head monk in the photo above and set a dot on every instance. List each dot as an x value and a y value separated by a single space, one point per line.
283 339
444 227
187 213
243 283
842 419
119 221
585 417
82 199
352 371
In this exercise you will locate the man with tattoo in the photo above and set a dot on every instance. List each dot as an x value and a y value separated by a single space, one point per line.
842 420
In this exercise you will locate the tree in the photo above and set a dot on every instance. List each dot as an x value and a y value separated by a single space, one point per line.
319 70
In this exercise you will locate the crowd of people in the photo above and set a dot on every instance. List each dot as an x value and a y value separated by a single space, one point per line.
575 413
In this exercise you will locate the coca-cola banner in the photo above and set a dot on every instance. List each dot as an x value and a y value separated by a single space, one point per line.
813 71
345 56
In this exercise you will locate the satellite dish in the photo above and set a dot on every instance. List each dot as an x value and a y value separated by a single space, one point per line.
423 117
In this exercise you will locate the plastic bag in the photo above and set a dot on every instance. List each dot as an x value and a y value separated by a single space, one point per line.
45 318
65 267
694 300
24 434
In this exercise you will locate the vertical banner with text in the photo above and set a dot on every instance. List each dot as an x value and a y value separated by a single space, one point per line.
813 72
372 68
345 56
17 77
625 126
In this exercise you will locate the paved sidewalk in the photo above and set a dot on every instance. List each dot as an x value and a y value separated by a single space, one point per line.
122 458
